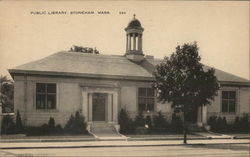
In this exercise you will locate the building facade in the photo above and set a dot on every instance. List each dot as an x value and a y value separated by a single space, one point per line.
101 85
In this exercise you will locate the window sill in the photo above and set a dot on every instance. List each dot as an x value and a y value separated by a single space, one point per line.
46 110
228 113
146 112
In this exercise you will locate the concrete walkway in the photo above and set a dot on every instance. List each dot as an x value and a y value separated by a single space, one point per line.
87 144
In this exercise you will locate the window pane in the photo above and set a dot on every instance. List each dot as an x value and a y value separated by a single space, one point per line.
142 107
150 92
224 95
40 101
142 91
150 107
40 87
51 101
232 95
224 106
51 88
142 101
231 106
150 100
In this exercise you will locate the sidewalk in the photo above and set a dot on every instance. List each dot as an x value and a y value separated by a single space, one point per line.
74 138
82 138
90 144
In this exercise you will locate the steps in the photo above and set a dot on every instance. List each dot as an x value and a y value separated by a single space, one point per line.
105 131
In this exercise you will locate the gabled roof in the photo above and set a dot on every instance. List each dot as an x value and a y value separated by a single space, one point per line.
104 66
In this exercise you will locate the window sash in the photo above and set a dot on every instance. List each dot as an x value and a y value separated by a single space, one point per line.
45 99
146 99
228 102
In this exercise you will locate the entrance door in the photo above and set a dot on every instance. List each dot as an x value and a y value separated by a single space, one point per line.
99 105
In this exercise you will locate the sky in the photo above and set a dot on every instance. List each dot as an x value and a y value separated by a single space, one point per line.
220 28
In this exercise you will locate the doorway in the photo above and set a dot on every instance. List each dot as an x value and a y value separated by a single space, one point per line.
99 106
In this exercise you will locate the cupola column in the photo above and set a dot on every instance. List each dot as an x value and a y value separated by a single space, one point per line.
140 42
134 41
129 42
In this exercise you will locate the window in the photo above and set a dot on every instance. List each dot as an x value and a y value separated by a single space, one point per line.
45 96
146 99
228 101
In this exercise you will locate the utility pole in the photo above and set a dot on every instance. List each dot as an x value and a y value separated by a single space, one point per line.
184 127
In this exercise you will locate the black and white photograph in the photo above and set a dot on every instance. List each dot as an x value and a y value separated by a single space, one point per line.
124 78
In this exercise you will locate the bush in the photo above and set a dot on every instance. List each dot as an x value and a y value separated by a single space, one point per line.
11 127
8 125
160 123
125 122
58 129
141 130
76 124
241 124
212 123
218 124
148 122
139 120
51 126
176 124
19 125
45 129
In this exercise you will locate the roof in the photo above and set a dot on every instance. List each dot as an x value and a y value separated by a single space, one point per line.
98 65
82 64
134 23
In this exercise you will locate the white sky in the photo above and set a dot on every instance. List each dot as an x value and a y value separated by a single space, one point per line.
220 28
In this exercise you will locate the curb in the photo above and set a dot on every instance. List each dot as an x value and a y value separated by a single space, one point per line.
93 139
46 140
96 139
102 146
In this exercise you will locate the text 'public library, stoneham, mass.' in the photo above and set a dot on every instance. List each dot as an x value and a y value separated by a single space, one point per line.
100 12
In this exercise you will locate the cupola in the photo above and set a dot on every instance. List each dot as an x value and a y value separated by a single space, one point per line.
134 32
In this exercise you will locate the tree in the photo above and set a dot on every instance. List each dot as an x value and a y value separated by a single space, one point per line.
6 94
81 49
182 80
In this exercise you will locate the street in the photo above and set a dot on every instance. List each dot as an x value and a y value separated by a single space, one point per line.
214 150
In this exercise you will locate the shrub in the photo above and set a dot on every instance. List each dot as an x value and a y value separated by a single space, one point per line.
148 122
76 124
125 122
8 125
45 129
212 123
51 126
80 124
19 125
141 130
32 130
241 124
218 124
160 123
51 123
176 124
139 120
58 129
69 127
